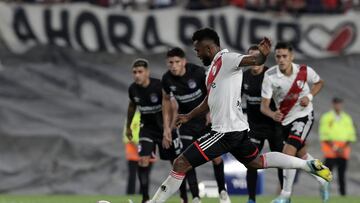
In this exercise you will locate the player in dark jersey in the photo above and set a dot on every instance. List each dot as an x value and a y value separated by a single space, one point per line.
146 95
261 127
185 82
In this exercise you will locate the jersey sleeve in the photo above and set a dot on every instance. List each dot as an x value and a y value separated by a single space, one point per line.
233 59
312 76
266 88
165 84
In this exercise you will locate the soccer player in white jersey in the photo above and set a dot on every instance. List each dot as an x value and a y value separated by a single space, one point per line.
229 129
287 84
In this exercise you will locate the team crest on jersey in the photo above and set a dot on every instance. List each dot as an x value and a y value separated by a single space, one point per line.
298 127
192 84
213 85
173 88
300 84
154 98
246 86
136 99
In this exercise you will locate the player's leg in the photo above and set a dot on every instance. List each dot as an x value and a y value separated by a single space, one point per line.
297 132
198 153
188 136
171 154
146 146
324 185
281 160
251 174
276 144
247 153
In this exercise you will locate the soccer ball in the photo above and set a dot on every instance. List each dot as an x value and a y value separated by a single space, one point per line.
103 201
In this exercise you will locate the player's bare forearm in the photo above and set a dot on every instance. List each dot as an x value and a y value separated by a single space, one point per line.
200 109
253 60
166 110
258 59
316 87
130 113
174 112
265 107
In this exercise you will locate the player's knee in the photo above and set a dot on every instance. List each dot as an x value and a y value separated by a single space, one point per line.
290 149
181 164
144 161
217 160
255 164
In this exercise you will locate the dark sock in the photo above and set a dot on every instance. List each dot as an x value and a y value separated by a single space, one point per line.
193 183
251 179
183 192
144 182
219 175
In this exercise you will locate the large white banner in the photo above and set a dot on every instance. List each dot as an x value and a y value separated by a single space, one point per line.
90 28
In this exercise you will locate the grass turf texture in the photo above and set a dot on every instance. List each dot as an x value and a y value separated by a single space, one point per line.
136 199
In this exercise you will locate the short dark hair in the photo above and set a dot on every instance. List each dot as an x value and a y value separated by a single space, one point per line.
206 34
337 100
284 45
253 48
175 52
140 62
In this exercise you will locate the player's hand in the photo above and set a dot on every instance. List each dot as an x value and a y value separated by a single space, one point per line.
181 118
277 116
304 101
208 119
265 46
167 138
129 134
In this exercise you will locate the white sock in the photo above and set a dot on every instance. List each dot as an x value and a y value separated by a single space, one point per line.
309 157
280 160
168 187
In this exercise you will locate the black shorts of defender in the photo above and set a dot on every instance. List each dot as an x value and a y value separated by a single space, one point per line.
271 132
216 144
297 131
150 138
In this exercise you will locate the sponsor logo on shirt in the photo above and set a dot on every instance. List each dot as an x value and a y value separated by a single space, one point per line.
189 97
150 109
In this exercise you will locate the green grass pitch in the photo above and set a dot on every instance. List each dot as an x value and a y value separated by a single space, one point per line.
136 199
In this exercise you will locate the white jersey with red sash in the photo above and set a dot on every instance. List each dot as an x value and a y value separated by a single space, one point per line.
223 82
288 90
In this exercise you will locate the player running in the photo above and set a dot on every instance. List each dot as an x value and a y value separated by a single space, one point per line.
229 126
287 84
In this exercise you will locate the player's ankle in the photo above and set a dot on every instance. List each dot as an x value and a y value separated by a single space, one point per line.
285 194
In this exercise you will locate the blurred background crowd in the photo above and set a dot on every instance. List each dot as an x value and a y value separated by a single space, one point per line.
280 6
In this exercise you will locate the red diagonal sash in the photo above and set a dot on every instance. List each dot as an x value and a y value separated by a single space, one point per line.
214 70
293 95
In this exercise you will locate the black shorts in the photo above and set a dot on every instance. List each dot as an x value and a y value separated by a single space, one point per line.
150 138
216 144
189 133
297 131
272 133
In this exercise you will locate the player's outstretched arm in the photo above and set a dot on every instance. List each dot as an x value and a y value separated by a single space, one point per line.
199 110
258 59
167 116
